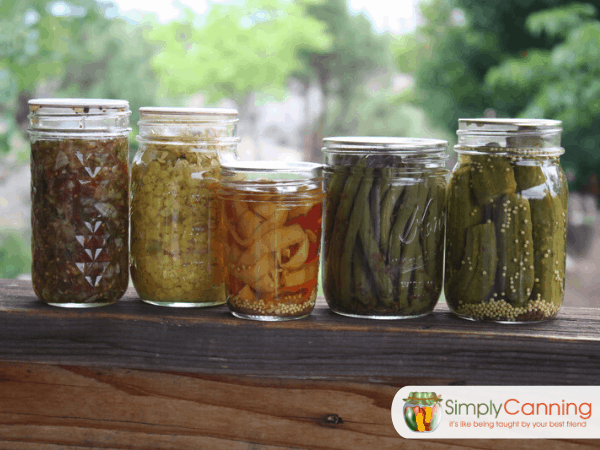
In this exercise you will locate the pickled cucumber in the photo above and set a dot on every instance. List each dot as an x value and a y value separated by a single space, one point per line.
515 249
549 249
463 213
475 279
492 176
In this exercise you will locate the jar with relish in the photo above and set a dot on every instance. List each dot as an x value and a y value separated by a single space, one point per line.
80 203
175 239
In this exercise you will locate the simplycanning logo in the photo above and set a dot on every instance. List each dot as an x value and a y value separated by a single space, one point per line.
539 414
505 412
422 411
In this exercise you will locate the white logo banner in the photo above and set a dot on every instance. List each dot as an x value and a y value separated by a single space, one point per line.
497 412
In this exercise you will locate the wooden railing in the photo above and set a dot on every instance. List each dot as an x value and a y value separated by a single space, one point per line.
135 376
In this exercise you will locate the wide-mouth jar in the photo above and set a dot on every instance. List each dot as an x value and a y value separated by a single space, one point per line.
80 203
271 220
175 240
384 226
507 221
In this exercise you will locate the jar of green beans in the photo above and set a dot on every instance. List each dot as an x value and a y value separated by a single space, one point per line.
384 222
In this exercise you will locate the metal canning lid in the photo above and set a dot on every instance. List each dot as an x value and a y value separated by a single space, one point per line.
77 106
508 125
384 145
423 398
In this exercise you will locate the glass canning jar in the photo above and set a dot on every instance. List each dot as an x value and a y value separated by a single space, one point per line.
507 220
175 243
272 213
79 194
383 238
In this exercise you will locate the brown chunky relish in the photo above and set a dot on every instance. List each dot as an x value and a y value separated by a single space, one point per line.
80 213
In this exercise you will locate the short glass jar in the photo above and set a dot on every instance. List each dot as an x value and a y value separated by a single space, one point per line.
507 221
383 238
272 213
80 203
175 240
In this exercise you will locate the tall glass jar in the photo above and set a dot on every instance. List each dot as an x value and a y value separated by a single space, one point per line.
175 241
272 214
383 234
79 194
507 221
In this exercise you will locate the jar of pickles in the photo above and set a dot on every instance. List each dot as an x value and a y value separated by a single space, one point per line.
383 237
79 196
507 221
175 241
271 217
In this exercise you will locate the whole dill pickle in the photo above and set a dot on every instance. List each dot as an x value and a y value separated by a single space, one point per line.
492 176
474 281
549 248
515 249
463 213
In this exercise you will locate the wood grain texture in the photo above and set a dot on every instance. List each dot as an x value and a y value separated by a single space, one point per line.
325 346
67 407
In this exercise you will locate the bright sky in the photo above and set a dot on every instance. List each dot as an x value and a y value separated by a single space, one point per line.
397 16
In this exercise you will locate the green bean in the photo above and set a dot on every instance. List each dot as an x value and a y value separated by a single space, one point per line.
338 231
361 282
375 260
387 207
359 209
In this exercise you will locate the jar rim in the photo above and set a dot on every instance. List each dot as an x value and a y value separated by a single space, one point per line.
384 144
272 166
170 110
77 105
507 125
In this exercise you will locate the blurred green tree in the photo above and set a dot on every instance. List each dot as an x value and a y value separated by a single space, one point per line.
341 70
524 58
236 50
69 49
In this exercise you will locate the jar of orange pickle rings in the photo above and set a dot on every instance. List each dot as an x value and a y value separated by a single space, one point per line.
271 214
175 244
